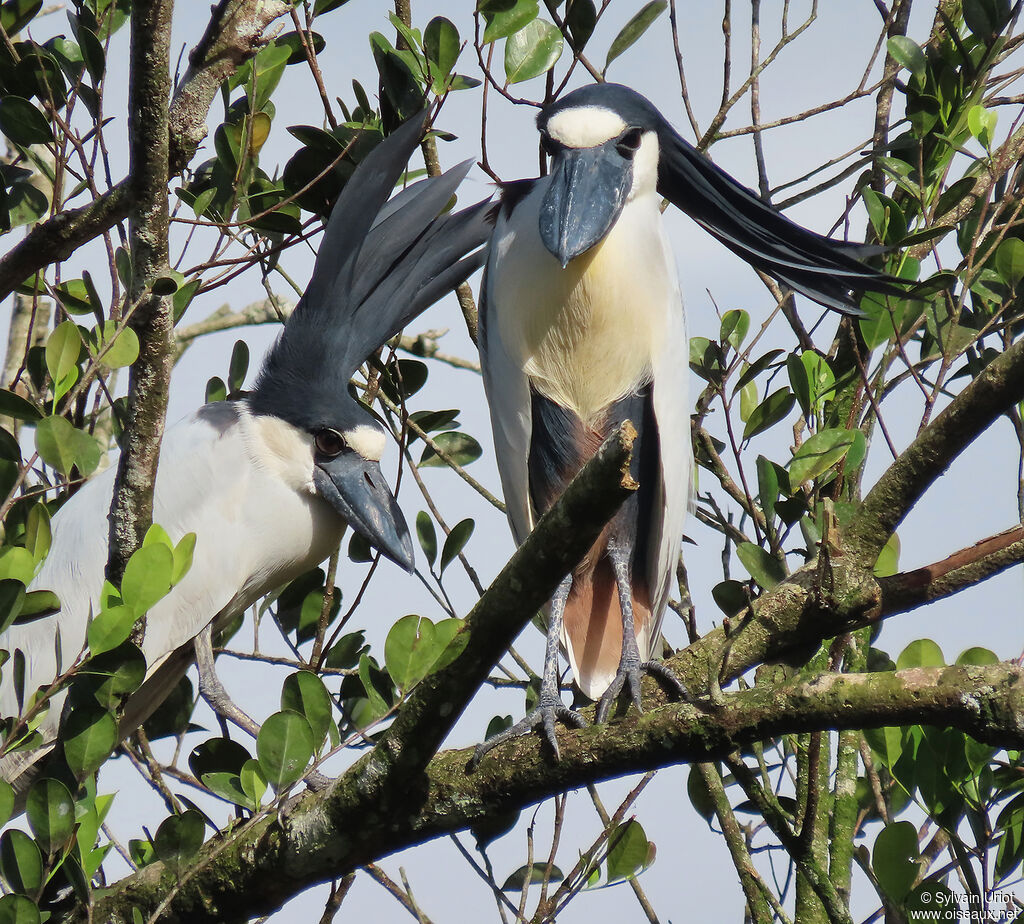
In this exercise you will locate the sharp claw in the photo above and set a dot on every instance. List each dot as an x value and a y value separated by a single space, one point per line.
542 718
629 675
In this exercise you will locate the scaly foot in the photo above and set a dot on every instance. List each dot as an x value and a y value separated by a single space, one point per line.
542 717
628 676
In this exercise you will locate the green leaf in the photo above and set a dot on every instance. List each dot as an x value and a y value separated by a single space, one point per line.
532 51
112 627
428 538
456 541
449 642
410 650
982 124
16 14
762 566
767 486
907 53
17 909
1009 260
800 383
502 23
629 853
769 412
122 348
21 863
63 348
14 405
216 390
894 859
735 324
147 577
730 597
921 653
580 19
179 838
62 447
378 705
819 453
217 763
304 692
114 674
441 45
6 802
633 29
268 68
183 553
980 657
12 600
253 782
888 562
90 735
17 564
821 381
284 748
51 814
461 448
238 366
22 122
748 400
76 297
534 873
38 533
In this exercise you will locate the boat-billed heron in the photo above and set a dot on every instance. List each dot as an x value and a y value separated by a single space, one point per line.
582 327
269 482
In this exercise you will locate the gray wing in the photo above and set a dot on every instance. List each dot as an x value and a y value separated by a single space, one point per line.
672 414
508 399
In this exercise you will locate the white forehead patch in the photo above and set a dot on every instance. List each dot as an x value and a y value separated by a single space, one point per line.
585 126
368 441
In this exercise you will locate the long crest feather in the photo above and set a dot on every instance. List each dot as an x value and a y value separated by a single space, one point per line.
380 264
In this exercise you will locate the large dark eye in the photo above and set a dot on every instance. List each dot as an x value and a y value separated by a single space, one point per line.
329 442
629 142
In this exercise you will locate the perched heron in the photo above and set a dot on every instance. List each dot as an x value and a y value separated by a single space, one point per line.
582 327
269 482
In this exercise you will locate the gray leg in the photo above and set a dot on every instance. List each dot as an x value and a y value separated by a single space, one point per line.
630 664
212 690
549 706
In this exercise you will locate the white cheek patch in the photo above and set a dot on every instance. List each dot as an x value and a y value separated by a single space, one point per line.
368 441
585 126
645 165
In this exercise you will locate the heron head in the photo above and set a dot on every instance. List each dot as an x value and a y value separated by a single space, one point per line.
602 156
347 475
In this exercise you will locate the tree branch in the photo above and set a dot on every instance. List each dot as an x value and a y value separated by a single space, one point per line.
994 391
963 569
131 510
330 833
233 35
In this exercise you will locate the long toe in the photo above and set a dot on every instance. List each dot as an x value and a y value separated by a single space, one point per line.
667 677
628 677
542 718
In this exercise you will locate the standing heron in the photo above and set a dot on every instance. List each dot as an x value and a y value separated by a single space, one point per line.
582 327
267 483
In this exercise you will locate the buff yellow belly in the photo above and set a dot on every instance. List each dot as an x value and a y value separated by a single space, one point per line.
585 334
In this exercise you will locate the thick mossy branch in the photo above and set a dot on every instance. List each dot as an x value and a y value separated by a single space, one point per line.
995 390
257 868
817 602
233 35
